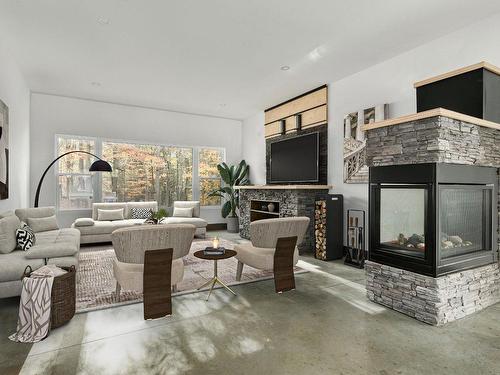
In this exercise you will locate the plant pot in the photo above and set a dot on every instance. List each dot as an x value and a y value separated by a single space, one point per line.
233 224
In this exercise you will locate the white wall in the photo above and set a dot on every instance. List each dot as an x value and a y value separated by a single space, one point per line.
15 94
51 115
254 148
392 82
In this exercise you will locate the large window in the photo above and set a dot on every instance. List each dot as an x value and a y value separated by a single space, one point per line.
209 175
147 172
141 172
74 181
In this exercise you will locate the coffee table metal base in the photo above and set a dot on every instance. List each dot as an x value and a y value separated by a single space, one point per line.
214 281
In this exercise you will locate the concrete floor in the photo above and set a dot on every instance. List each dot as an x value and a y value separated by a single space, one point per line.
325 326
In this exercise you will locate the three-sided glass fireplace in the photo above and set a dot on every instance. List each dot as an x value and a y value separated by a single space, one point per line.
433 219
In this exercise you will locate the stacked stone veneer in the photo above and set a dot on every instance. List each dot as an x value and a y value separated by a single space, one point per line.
437 139
433 300
292 202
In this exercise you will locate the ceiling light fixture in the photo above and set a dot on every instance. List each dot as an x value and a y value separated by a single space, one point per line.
285 67
103 20
96 84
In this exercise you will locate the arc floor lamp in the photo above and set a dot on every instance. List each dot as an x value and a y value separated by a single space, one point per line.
98 166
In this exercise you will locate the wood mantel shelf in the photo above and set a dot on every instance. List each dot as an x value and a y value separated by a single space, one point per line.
284 187
456 72
432 113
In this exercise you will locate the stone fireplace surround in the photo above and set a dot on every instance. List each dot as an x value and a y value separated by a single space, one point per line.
435 136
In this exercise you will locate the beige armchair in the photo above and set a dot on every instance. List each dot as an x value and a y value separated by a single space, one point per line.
264 235
131 243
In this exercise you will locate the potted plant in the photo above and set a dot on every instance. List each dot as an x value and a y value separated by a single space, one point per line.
157 216
231 176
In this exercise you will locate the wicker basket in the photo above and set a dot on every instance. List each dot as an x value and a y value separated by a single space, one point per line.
63 297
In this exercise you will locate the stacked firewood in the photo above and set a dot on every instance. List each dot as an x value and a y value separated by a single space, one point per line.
320 229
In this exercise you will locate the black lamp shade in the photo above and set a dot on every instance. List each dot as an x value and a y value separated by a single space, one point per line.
100 166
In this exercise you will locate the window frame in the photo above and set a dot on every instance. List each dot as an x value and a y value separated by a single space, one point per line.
97 177
94 178
199 178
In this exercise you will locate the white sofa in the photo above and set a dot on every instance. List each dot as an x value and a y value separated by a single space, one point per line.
52 246
95 231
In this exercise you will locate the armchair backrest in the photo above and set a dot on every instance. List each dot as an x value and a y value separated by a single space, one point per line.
131 243
265 233
195 205
36 213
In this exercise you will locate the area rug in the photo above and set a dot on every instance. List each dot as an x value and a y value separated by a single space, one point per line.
95 284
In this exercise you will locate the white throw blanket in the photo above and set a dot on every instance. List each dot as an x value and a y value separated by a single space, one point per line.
34 309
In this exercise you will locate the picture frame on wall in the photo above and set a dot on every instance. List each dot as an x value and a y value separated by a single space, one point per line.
355 168
4 151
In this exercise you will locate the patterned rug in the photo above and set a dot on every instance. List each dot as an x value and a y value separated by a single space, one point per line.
95 284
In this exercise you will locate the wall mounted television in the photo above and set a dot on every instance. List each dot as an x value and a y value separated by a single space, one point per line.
295 160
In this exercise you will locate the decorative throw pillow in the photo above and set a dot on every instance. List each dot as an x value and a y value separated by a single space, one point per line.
183 212
84 222
140 213
25 237
43 224
110 215
8 227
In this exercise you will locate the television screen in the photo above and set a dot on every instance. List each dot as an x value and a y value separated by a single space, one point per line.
295 159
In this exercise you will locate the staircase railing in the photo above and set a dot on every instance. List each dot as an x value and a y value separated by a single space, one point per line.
354 161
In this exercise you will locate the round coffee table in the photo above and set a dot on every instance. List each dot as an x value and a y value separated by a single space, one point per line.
215 279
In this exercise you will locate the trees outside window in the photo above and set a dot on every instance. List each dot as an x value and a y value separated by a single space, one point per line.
73 179
141 172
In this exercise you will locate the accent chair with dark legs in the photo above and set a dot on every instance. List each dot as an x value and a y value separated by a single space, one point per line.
273 247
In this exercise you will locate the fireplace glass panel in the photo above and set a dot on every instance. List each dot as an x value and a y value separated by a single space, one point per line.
465 219
402 220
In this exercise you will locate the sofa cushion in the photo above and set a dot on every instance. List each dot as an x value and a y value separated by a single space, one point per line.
259 257
56 243
183 212
196 221
107 227
140 213
106 206
43 224
25 237
110 215
189 204
150 205
7 213
24 213
8 227
12 265
84 222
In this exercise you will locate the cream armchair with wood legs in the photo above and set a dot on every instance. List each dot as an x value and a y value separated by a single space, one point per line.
262 251
131 243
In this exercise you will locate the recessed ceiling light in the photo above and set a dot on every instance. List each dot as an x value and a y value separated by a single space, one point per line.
103 20
285 67
222 105
96 84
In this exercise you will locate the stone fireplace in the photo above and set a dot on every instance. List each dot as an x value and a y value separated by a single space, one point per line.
433 208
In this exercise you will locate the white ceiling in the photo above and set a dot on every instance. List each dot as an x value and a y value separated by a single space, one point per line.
217 57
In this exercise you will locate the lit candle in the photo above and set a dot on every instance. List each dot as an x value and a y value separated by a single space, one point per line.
215 243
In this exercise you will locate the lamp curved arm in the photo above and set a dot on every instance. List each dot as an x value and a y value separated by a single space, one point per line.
37 195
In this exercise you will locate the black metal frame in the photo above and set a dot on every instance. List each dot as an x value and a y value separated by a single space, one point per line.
432 178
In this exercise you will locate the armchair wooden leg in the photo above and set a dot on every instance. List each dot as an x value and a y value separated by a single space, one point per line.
239 271
157 281
284 278
117 292
174 288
